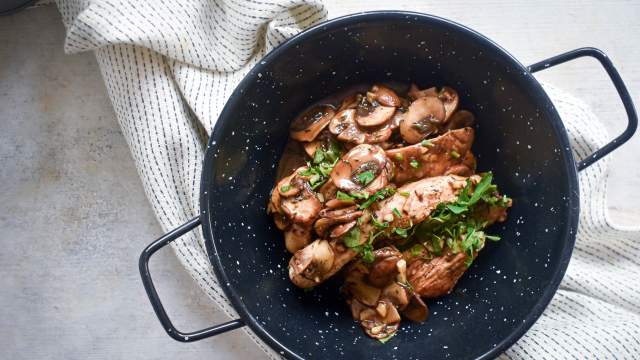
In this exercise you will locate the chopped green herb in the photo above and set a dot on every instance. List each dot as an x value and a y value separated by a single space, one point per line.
456 209
387 338
360 196
378 223
396 212
378 195
367 253
398 157
454 154
318 156
404 193
402 232
366 177
414 163
426 143
416 249
344 197
352 238
492 237
285 188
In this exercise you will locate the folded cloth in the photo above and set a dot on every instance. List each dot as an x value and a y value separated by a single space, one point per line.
169 67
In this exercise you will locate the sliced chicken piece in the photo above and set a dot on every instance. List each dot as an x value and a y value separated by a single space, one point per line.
434 157
415 201
437 277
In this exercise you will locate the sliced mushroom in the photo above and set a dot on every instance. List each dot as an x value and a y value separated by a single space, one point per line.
378 327
309 124
450 99
384 96
460 119
416 310
313 261
356 286
344 126
350 102
302 207
374 116
384 270
342 229
396 293
415 93
281 221
380 135
297 237
422 119
347 173
329 218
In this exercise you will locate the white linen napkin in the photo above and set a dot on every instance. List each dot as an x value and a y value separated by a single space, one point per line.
169 67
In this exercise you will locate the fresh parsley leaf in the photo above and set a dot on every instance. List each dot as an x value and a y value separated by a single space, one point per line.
367 253
481 188
416 249
360 196
414 163
379 224
344 197
366 177
404 193
378 195
352 238
457 209
402 232
454 154
396 212
318 156
285 188
398 157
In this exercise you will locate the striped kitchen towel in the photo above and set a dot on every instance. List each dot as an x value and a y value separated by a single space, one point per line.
169 67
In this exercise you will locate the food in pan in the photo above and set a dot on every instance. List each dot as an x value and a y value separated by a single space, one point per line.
379 185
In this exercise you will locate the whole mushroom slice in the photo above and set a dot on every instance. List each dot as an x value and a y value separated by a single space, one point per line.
365 168
313 261
379 135
343 125
450 99
416 93
374 116
304 206
384 96
350 102
308 125
422 119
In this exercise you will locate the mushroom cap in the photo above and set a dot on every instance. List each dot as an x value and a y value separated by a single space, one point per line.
378 115
344 126
384 270
329 218
384 96
450 99
358 160
422 119
308 125
313 261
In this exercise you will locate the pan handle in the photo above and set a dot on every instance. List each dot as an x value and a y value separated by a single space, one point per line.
153 294
617 82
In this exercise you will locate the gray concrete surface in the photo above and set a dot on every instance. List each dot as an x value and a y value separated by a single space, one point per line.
73 215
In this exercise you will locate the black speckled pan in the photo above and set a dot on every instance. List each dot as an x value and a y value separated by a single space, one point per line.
519 137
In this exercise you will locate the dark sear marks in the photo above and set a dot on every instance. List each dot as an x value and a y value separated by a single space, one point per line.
389 197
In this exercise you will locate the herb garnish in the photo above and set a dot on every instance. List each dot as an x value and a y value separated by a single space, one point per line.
366 177
426 143
285 188
378 195
414 163
455 226
344 197
454 154
319 168
387 338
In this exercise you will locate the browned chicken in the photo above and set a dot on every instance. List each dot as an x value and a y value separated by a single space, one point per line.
446 154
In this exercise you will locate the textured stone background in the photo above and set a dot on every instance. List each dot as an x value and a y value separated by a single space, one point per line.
73 216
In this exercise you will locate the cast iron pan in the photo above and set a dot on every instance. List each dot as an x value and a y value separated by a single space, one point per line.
519 137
